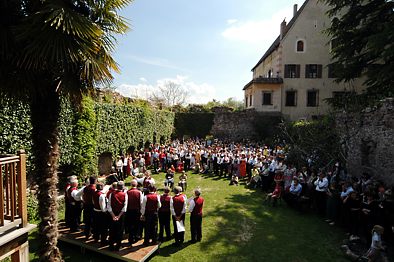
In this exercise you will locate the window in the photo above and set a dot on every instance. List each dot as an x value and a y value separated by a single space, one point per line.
311 99
313 71
250 100
291 98
292 71
300 46
246 101
267 98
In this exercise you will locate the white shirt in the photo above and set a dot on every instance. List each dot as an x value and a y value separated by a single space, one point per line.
119 164
77 194
376 241
192 204
347 192
102 202
321 185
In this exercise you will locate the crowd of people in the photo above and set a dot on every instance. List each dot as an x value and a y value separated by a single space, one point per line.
362 205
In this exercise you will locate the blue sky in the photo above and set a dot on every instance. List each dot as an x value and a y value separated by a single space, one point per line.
209 47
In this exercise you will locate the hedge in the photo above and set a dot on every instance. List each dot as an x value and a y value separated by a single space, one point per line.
85 133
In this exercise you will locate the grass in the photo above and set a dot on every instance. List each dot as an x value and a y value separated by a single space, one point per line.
237 226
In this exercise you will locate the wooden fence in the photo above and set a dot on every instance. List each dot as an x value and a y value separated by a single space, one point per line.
13 200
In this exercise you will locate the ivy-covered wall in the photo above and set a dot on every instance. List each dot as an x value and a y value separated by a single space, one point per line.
84 134
15 128
122 126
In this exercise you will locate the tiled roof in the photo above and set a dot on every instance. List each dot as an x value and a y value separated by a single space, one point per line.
276 43
264 80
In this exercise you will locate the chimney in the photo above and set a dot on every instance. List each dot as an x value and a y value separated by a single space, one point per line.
282 28
295 10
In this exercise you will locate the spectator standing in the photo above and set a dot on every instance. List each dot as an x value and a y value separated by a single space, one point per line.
321 193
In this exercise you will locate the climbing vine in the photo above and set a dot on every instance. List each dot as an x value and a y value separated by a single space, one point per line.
96 127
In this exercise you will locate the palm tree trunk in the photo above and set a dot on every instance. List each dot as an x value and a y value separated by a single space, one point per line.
45 109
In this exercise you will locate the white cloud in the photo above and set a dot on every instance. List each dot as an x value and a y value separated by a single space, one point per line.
156 61
231 21
143 79
197 93
261 32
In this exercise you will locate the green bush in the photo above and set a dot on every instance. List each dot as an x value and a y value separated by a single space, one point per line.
32 208
85 139
316 139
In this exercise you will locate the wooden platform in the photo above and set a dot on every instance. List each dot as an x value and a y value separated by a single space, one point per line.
137 252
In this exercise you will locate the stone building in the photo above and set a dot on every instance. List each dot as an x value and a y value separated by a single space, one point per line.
293 77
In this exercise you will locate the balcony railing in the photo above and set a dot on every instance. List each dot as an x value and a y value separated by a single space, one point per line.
13 201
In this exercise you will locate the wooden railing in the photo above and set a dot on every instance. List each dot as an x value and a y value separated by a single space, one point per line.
13 200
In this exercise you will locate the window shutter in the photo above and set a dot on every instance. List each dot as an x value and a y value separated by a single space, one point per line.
298 71
319 71
287 71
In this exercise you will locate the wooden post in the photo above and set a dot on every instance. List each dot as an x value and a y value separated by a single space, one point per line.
12 191
1 197
22 187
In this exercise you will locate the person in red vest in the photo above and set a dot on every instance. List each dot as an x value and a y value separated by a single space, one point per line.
195 208
178 211
113 187
117 206
67 205
150 205
148 181
165 215
87 198
100 221
74 196
133 214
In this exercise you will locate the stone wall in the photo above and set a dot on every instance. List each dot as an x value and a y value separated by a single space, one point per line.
369 137
246 124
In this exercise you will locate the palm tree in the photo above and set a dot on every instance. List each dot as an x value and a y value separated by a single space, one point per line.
50 48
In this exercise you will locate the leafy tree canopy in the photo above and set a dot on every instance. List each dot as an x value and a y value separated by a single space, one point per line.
363 33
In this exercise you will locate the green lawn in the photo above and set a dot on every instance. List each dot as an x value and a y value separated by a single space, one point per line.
237 226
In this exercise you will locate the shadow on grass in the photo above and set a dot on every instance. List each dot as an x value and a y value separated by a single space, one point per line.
246 230
167 251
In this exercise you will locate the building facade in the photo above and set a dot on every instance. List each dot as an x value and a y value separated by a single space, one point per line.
293 77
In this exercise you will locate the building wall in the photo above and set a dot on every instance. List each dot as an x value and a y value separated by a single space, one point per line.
256 90
245 124
270 63
308 27
369 138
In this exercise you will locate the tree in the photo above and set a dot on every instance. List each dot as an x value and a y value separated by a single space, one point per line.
363 33
169 94
233 103
50 48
